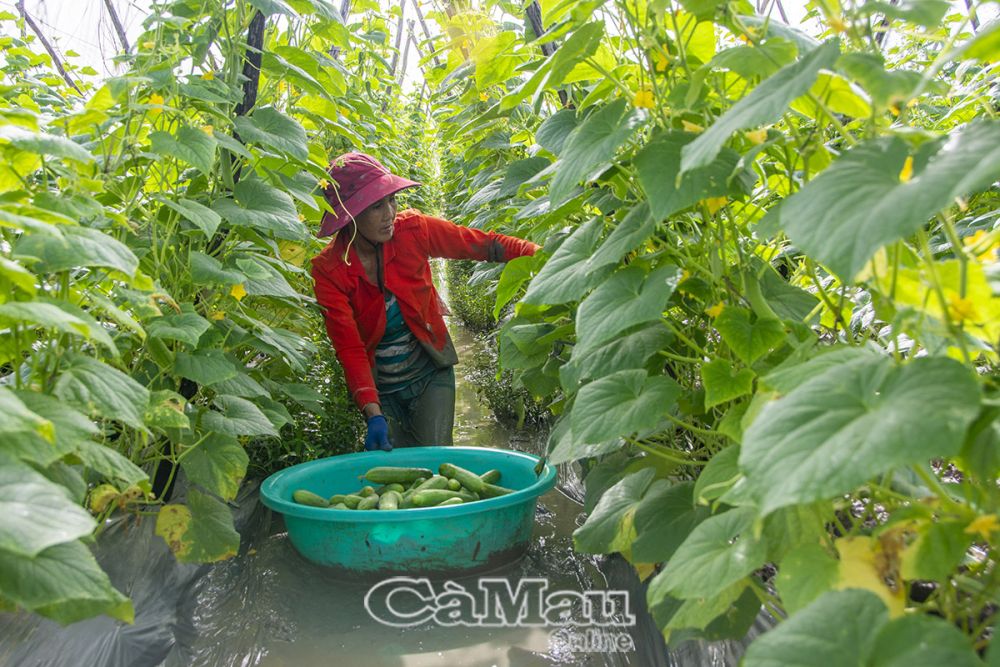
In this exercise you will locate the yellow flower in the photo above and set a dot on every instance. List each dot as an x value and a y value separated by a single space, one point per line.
155 98
984 525
906 173
961 309
715 310
208 129
483 96
217 315
149 46
692 127
756 137
837 24
302 218
644 99
894 108
238 292
662 62
323 184
208 76
714 204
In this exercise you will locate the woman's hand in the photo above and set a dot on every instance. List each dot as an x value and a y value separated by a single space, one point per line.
378 434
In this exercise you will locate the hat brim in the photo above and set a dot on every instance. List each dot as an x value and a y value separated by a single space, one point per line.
344 212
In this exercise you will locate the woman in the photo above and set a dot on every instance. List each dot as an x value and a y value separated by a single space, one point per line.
383 315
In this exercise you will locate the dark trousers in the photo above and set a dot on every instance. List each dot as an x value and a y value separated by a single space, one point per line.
422 414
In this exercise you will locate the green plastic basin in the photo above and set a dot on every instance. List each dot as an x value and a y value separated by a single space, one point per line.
460 538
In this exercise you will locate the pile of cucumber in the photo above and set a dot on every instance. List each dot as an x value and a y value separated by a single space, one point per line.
405 488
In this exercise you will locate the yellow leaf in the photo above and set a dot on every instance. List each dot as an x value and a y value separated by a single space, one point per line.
756 137
644 570
983 245
714 203
867 563
172 525
714 311
238 292
906 173
644 99
984 525
692 127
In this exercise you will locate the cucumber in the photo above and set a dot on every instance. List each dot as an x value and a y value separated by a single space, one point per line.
454 484
435 482
303 497
369 502
469 480
350 499
395 486
416 483
366 491
493 491
432 497
340 506
391 474
390 500
491 476
451 501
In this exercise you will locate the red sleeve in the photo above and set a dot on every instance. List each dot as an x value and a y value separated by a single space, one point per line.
451 241
343 331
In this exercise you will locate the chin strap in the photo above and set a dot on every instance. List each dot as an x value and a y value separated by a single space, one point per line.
377 247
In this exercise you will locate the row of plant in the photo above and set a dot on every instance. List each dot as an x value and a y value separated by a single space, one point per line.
765 311
157 316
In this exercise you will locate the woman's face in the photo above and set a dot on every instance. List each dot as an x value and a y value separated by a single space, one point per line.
375 223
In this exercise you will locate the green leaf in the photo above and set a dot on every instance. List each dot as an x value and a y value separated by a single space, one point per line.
107 462
885 87
190 145
520 172
937 551
748 336
35 513
786 300
658 166
166 410
629 351
205 366
566 276
269 7
238 416
837 95
41 429
265 280
622 403
58 315
761 60
718 476
184 327
719 552
44 144
922 640
579 46
722 616
63 583
724 382
18 418
77 246
635 228
262 207
495 59
17 276
207 269
858 204
806 572
563 447
199 532
304 395
203 217
810 638
218 463
664 519
629 297
609 527
242 385
554 130
853 422
592 145
103 390
271 128
763 105
516 272
927 13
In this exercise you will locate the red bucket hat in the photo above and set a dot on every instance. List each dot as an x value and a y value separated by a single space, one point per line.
358 181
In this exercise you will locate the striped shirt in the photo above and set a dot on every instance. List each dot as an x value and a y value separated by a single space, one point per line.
400 360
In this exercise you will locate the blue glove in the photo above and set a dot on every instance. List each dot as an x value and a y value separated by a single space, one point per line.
378 434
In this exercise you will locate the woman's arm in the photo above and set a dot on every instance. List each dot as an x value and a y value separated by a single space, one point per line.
342 329
451 241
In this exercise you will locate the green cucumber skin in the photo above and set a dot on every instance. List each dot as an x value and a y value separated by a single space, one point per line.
491 476
494 491
469 480
369 502
392 474
390 500
304 497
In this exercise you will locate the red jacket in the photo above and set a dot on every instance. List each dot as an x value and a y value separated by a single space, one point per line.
354 308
